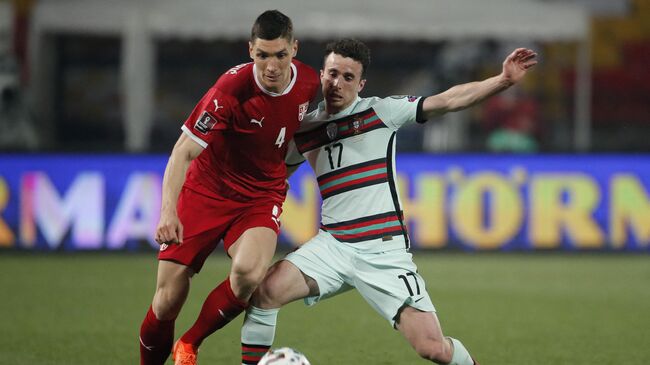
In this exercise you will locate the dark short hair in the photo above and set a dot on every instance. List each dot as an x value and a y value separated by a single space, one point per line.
352 48
272 24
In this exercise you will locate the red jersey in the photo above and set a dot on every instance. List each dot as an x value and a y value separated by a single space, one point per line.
245 130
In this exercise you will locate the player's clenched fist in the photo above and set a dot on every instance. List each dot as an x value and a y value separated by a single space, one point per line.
169 230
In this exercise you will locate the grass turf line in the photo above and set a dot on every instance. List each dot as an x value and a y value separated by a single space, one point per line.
506 308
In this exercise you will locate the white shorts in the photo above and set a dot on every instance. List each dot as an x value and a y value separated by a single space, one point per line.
387 280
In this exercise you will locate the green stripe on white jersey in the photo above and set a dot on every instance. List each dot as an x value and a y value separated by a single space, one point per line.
353 155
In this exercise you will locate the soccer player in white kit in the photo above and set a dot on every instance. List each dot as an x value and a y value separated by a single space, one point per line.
362 243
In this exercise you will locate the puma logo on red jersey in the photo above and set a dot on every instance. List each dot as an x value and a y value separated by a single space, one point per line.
216 105
258 122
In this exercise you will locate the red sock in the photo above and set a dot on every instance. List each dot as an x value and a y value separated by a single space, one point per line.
156 339
220 307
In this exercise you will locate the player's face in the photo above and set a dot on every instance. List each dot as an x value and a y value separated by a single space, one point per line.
272 60
341 82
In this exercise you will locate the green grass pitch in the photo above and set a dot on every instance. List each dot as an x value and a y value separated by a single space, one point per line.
540 308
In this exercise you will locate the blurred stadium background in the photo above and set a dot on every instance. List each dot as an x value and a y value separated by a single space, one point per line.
531 211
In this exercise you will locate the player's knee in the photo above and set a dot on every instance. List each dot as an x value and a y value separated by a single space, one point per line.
433 350
268 294
247 275
166 304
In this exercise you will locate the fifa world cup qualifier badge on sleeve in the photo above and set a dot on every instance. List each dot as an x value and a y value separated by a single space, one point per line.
205 122
409 98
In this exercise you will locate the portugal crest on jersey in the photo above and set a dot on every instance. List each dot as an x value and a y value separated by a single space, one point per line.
302 110
332 131
356 125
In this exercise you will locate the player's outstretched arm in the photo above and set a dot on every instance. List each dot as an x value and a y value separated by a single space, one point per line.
463 96
170 229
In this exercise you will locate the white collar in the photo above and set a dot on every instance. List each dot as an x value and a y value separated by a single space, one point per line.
345 112
294 77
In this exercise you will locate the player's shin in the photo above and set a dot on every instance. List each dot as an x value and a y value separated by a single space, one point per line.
257 333
220 307
156 339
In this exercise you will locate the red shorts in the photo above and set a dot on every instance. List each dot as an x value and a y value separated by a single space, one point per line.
206 221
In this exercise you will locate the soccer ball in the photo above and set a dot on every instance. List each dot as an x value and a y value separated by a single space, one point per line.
284 356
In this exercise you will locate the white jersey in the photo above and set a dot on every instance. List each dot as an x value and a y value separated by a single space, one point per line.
353 155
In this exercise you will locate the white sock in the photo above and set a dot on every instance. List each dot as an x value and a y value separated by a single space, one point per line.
259 326
461 355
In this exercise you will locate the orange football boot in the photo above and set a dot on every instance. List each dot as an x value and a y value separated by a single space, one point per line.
184 353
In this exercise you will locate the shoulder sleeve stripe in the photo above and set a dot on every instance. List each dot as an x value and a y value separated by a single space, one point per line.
419 114
196 139
294 164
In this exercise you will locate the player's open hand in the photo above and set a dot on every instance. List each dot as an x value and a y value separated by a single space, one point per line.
517 64
169 230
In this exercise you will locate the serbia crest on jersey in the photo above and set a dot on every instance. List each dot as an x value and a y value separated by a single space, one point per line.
245 130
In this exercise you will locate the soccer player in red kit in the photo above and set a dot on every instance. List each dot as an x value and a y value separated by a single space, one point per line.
225 180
